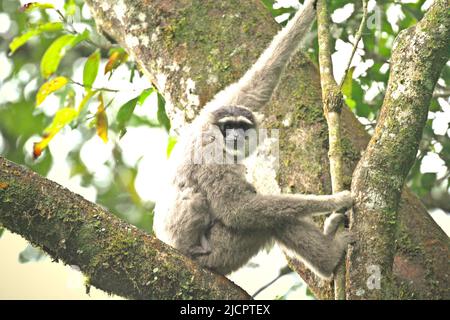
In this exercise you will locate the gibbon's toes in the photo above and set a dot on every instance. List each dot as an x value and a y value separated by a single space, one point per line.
199 251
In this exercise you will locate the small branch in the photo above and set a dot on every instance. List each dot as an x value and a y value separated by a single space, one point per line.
115 256
332 103
283 271
358 37
94 89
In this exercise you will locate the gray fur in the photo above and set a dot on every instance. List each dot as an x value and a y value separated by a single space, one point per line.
210 212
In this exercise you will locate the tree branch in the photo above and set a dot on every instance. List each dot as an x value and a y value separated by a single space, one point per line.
358 37
417 59
115 256
332 105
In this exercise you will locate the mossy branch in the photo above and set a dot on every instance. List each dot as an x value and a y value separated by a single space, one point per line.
115 256
332 105
418 56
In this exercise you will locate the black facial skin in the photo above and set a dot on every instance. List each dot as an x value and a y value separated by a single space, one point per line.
230 126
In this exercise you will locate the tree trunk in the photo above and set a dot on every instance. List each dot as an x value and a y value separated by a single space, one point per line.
418 57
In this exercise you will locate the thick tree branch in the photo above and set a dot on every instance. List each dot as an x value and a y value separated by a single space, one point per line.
417 59
115 256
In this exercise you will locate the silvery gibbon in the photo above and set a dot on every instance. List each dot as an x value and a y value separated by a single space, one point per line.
211 213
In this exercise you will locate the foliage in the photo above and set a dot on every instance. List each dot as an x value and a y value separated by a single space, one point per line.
364 90
31 254
54 39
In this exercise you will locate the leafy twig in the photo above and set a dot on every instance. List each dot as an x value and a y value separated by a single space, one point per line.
95 89
358 37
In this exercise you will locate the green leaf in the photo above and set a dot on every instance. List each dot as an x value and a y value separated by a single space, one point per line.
124 115
428 180
348 83
50 87
30 254
36 5
170 144
19 41
117 56
70 7
53 55
91 69
1 231
309 293
89 94
144 95
136 121
351 104
161 113
276 12
62 117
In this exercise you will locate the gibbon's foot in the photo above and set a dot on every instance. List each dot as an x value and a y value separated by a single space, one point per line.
342 240
332 222
199 251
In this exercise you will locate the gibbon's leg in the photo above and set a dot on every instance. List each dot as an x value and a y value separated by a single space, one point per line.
230 250
319 252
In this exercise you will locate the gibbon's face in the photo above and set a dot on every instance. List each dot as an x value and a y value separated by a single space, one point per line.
238 128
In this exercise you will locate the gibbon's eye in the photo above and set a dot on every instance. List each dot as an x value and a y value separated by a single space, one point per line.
235 126
245 126
229 126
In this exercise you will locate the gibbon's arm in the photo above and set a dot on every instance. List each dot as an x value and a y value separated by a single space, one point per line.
255 211
255 88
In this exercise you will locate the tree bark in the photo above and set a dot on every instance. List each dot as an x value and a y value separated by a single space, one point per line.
115 256
333 101
417 59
